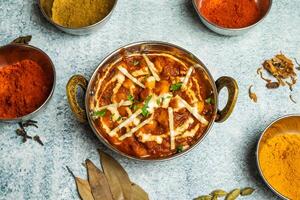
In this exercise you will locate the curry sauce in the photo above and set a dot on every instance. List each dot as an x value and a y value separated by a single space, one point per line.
152 105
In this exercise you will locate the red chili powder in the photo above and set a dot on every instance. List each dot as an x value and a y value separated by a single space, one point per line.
230 13
24 86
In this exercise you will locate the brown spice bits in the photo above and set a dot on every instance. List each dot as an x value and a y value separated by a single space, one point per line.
252 95
292 99
23 133
259 72
272 85
296 61
281 68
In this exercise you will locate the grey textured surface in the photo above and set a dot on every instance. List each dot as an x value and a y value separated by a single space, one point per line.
225 159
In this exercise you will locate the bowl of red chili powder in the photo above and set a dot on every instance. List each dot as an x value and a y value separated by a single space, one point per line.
27 81
232 17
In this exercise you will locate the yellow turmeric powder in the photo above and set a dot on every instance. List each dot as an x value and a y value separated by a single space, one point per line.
279 159
77 13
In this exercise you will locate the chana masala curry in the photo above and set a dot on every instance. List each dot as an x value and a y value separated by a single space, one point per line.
152 105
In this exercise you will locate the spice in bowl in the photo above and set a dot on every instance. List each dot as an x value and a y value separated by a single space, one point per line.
77 13
279 157
24 87
231 13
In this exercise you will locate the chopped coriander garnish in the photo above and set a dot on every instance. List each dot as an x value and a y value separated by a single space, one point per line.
148 100
119 118
100 113
158 102
135 107
179 148
175 86
145 112
162 100
112 116
209 100
136 62
130 98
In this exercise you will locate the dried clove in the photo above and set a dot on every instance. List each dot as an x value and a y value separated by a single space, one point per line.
23 133
38 140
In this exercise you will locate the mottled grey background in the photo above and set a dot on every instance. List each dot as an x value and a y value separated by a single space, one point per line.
225 159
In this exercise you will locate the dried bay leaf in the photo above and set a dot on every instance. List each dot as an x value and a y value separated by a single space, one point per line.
83 187
218 193
204 197
233 194
252 95
117 177
247 191
138 193
98 182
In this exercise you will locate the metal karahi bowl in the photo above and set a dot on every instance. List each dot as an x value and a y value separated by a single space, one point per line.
14 52
82 30
286 124
265 6
149 46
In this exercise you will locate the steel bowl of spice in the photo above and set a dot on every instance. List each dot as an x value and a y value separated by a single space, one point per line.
77 17
232 17
278 156
27 81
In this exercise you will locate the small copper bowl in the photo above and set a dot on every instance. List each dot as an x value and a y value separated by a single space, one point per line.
264 5
14 52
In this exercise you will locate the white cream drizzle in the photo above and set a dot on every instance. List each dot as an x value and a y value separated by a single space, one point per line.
133 130
152 68
132 78
194 111
190 133
171 127
179 132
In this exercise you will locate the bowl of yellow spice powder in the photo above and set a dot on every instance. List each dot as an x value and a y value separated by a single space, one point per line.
77 17
278 156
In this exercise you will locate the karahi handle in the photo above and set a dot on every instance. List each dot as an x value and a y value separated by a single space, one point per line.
22 40
72 87
233 91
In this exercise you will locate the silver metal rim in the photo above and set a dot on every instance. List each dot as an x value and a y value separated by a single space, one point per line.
257 153
81 28
32 114
107 144
231 29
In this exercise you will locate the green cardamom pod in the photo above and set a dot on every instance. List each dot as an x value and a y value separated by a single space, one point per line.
233 194
23 39
204 197
247 191
215 197
218 193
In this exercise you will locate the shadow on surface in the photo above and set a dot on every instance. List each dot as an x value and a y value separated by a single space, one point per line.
42 21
